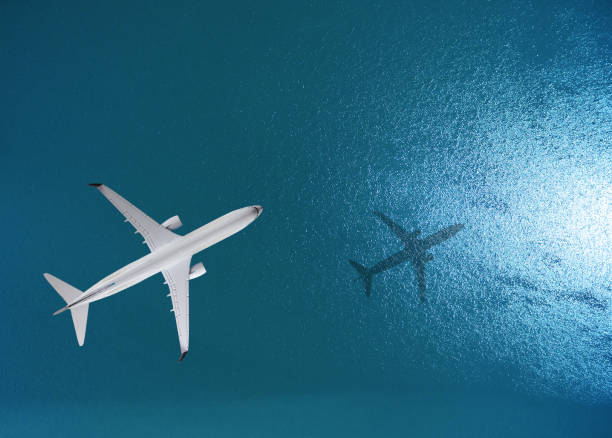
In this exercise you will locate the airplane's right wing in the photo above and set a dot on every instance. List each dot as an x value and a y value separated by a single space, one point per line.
404 235
177 278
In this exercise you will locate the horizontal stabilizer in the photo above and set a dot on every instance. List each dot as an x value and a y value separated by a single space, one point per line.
71 294
79 319
67 292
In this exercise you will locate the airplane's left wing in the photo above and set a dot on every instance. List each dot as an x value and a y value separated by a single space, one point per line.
403 235
154 234
177 278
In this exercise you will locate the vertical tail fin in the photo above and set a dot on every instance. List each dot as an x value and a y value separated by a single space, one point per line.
366 275
69 294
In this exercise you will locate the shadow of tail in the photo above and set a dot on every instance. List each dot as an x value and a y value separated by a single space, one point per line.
365 274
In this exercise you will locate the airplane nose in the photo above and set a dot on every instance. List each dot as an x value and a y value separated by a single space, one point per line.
258 208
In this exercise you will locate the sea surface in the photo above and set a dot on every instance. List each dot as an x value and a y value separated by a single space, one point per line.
493 114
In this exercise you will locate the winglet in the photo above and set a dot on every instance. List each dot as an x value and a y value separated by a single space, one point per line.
95 184
183 355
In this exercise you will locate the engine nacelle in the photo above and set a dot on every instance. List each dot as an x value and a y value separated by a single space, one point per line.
197 270
173 223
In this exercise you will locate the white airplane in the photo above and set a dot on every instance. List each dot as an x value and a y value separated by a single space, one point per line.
170 255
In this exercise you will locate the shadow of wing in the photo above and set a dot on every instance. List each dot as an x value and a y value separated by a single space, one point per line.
403 235
419 269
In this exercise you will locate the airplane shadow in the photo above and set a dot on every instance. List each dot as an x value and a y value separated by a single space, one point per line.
415 251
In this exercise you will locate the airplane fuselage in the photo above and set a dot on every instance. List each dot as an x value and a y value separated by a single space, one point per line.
169 254
396 259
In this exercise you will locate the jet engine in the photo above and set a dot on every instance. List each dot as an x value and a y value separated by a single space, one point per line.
197 270
173 223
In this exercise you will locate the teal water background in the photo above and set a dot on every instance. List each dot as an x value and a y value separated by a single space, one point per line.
497 115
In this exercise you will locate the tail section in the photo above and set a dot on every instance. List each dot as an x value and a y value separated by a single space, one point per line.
365 274
79 319
69 294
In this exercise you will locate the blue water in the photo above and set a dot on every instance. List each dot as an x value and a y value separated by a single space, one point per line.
497 115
